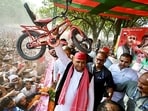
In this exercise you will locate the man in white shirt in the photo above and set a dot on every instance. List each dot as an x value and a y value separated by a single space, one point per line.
122 72
75 90
29 90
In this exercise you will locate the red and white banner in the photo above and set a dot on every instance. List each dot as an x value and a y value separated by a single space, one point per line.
138 32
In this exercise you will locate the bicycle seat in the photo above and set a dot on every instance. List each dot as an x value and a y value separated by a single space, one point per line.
43 22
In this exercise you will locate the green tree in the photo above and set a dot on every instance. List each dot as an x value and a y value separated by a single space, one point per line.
94 24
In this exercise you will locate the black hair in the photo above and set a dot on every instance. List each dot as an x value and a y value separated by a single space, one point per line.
127 55
103 53
144 36
143 39
102 106
1 93
6 101
28 81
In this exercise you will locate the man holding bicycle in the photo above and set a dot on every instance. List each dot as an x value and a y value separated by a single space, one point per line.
75 90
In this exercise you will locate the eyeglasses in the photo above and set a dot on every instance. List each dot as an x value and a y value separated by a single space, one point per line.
134 38
101 60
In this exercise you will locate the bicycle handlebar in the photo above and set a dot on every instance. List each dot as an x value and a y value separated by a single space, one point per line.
63 14
33 16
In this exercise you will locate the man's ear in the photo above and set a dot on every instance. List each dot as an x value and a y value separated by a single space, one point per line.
72 58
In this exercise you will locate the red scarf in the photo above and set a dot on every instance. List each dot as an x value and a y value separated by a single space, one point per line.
81 98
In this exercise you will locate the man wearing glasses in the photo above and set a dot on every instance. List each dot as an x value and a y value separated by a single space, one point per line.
103 81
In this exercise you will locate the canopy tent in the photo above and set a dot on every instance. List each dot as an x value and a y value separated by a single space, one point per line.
123 9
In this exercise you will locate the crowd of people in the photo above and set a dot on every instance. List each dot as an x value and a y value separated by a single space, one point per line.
76 81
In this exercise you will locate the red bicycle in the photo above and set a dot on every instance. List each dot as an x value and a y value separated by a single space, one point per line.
32 44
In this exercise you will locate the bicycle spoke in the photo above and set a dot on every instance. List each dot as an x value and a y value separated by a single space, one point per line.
29 51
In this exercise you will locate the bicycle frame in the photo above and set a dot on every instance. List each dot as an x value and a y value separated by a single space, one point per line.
46 35
32 43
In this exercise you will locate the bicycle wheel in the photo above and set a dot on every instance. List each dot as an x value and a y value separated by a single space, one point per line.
80 40
25 51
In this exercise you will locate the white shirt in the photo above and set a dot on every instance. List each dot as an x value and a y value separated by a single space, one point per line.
33 73
59 69
29 92
120 76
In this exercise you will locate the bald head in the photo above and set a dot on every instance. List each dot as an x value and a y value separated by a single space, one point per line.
145 76
143 84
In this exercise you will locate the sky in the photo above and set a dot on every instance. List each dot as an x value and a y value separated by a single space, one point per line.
36 3
15 13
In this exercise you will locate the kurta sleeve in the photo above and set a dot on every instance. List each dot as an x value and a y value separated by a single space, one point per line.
62 55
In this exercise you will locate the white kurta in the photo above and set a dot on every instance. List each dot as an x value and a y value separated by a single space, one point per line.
74 82
71 91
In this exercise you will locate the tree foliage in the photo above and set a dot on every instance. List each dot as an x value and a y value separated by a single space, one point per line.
94 24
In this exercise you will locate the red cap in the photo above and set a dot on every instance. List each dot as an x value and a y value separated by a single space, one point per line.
80 55
106 49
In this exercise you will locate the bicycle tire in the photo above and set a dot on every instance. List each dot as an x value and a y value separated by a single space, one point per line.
22 53
80 43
